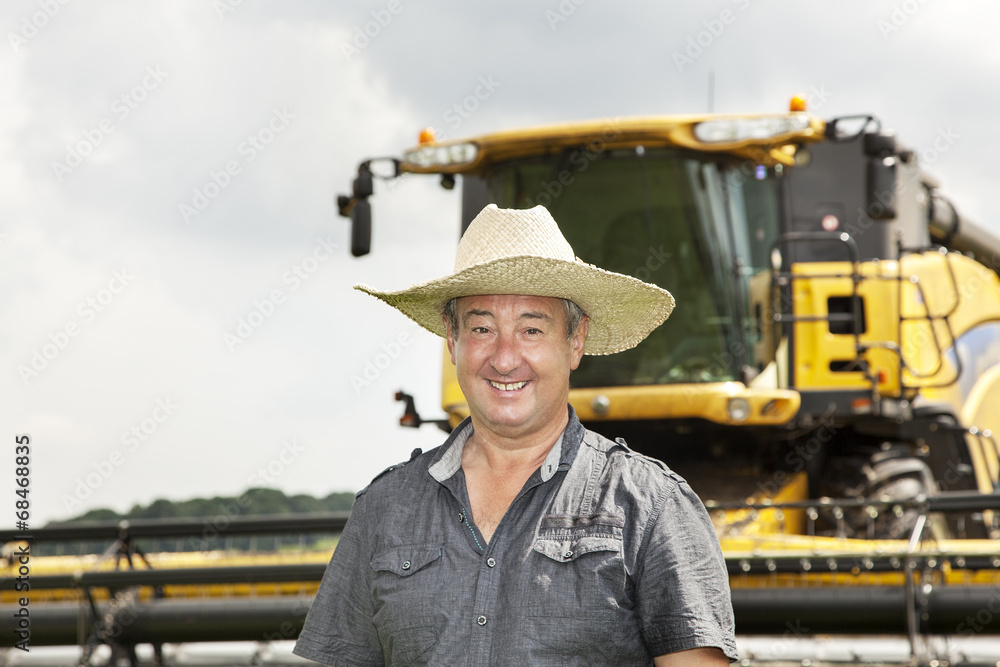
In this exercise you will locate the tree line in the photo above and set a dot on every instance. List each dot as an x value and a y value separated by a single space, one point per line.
256 501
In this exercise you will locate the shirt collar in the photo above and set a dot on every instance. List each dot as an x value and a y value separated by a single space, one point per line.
560 457
450 460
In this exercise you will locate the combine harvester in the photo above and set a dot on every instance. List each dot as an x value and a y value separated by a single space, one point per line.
829 384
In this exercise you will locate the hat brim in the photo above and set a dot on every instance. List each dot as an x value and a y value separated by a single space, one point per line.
623 310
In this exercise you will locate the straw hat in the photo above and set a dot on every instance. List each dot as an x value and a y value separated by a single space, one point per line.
512 251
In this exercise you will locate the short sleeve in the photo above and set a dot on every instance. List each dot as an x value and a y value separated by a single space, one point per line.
338 629
682 585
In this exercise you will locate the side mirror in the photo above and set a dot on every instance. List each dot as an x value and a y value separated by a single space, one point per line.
849 128
357 207
363 187
361 227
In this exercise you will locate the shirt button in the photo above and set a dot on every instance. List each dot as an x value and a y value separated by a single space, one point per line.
490 562
406 565
481 620
568 555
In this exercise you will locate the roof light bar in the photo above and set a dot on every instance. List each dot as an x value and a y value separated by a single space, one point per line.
441 156
732 130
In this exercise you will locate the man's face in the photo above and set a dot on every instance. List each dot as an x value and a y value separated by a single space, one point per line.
513 361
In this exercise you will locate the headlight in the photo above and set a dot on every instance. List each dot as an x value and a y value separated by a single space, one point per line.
741 129
739 409
441 156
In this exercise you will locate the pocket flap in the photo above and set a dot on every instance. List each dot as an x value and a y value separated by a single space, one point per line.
568 550
407 559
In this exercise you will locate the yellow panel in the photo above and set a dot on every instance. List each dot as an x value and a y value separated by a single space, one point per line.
815 347
672 401
934 285
766 521
942 285
52 565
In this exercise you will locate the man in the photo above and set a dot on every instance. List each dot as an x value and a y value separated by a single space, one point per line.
525 539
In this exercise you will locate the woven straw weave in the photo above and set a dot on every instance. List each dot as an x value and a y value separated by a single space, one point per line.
511 251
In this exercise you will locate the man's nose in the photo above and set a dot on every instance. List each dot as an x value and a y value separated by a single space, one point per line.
506 354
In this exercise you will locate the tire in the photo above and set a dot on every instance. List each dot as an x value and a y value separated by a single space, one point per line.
889 474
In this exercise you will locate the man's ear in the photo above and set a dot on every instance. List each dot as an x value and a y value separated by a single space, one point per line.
578 341
450 338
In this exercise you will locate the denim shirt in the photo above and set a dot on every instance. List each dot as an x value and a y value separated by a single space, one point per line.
605 557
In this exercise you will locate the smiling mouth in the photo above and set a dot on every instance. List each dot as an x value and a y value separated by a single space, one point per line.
513 386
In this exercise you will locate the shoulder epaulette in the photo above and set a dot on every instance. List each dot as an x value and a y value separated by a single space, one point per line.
654 461
396 466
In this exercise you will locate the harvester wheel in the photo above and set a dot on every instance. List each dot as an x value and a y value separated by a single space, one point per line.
890 474
894 480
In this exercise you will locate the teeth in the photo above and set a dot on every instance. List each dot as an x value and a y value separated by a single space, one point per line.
508 387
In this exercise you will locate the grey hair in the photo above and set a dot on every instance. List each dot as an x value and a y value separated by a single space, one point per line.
574 314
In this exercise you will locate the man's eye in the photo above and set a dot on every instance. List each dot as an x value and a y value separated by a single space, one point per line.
534 332
480 330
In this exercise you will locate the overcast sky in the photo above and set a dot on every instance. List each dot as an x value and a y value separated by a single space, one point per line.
177 317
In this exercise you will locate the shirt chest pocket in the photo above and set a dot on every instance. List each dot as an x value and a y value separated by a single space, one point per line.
580 565
581 589
406 586
405 578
